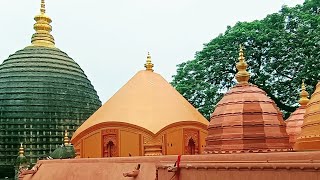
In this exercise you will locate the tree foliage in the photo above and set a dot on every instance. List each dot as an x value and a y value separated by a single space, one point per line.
281 50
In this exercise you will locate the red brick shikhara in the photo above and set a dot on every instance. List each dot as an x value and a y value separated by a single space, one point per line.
246 120
294 123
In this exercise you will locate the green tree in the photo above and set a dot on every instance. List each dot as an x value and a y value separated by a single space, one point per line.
281 50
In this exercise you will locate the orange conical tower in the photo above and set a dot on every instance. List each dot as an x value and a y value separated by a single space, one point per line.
295 121
309 138
146 117
246 120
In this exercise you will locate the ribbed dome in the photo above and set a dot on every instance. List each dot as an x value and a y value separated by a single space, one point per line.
294 123
246 120
42 93
309 138
50 81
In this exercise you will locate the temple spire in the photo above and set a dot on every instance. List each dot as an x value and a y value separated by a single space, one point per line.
21 150
42 36
148 65
66 138
242 76
303 95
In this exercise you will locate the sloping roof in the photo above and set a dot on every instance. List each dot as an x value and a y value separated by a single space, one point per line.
147 100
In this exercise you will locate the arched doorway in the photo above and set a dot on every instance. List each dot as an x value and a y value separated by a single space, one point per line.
110 143
191 147
109 149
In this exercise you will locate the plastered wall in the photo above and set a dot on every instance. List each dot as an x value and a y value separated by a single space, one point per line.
129 143
203 135
92 145
174 142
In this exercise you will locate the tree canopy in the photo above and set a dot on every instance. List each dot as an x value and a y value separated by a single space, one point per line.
281 50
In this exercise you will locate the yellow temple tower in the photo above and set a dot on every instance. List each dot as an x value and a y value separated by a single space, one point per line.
309 138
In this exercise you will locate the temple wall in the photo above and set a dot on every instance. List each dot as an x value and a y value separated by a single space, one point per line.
129 143
125 140
174 142
242 166
91 145
77 148
193 174
177 139
128 140
203 135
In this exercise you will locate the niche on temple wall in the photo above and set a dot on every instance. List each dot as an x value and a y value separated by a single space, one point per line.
191 141
110 138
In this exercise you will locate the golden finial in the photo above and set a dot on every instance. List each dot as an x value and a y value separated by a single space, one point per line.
21 150
42 36
148 65
43 7
66 138
303 95
242 76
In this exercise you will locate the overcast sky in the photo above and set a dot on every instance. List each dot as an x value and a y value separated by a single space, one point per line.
110 39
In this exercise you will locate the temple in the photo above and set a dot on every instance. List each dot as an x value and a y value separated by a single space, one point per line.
295 121
247 140
42 92
147 129
309 138
146 117
246 120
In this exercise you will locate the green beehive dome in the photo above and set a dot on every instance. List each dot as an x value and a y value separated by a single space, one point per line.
45 83
42 92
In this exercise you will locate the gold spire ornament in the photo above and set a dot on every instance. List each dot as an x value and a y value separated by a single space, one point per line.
148 65
66 138
42 36
242 76
43 7
303 95
21 150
